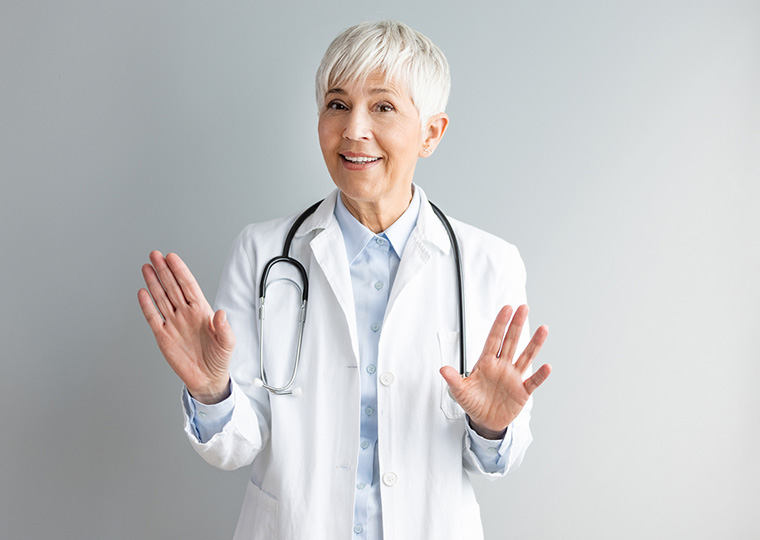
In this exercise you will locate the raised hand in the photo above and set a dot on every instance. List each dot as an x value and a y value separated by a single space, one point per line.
495 393
196 342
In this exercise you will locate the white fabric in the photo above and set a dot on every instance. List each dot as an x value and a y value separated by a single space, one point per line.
304 449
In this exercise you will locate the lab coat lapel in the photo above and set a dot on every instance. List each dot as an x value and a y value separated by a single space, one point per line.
328 248
428 235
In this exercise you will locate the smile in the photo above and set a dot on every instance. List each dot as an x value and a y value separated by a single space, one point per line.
360 159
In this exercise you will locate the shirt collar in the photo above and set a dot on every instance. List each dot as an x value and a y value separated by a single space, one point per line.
357 236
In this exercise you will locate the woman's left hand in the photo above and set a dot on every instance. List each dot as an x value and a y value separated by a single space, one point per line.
495 393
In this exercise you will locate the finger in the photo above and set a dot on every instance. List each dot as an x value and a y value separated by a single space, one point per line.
513 333
493 342
172 288
535 380
532 349
224 335
157 291
190 288
150 312
453 378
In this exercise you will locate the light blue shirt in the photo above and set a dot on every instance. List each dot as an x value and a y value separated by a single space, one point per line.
373 261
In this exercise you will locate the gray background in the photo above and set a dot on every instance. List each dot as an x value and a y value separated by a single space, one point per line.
616 143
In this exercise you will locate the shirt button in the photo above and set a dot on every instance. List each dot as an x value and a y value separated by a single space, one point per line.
365 445
358 529
368 411
375 327
361 485
371 369
378 285
492 450
390 478
379 241
202 414
387 378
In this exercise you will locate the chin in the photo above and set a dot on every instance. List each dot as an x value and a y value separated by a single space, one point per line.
360 190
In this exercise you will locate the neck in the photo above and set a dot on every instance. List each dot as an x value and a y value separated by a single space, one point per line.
377 216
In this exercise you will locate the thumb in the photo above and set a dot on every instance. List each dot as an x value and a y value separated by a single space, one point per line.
453 378
224 334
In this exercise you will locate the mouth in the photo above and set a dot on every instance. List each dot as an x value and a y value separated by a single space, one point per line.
359 160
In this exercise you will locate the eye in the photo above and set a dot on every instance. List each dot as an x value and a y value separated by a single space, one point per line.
385 107
336 105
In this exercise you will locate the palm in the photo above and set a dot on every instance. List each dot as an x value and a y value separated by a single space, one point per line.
188 346
196 342
495 393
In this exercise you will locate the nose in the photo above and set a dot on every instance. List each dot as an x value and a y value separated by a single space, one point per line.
358 125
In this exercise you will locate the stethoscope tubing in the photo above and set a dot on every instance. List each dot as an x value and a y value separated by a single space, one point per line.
286 258
460 286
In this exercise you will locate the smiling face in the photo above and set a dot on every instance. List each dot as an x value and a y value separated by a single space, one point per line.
371 138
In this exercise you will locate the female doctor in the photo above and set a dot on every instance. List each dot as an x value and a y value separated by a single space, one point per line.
374 443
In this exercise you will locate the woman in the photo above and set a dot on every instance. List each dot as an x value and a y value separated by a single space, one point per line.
377 444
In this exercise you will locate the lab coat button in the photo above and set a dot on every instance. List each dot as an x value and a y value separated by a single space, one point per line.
389 478
387 378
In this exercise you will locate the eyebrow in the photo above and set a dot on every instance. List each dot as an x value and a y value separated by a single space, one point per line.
372 91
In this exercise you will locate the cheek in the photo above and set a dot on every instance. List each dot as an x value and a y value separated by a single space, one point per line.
330 124
324 129
324 142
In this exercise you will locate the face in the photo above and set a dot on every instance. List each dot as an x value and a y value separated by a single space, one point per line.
371 138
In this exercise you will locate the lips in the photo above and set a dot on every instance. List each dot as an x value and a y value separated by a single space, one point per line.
354 157
359 159
358 162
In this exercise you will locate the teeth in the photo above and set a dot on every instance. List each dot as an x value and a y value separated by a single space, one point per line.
360 159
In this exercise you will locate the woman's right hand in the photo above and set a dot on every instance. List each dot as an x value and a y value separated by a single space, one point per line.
196 342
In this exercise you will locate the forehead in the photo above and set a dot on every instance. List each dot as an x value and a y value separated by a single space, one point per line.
371 84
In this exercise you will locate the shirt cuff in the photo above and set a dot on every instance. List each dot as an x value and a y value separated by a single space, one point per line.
208 420
492 454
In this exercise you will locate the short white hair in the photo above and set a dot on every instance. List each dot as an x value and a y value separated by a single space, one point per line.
395 50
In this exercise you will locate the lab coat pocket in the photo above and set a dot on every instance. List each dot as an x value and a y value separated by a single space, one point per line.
448 343
258 518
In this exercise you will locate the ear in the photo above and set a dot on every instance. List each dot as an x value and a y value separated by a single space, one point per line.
433 133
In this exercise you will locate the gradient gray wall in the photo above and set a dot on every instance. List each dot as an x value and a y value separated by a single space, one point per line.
616 143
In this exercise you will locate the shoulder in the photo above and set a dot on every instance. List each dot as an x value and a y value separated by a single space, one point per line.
264 235
254 233
487 250
494 273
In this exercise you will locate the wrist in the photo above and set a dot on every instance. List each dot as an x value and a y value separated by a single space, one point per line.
212 395
490 434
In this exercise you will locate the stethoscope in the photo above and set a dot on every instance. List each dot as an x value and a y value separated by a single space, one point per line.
289 389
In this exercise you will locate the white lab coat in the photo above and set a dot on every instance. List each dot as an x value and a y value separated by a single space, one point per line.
304 449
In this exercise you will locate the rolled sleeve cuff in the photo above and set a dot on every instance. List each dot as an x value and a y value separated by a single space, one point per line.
207 420
492 455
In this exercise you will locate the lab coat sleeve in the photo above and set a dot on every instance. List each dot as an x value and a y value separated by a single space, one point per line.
510 450
208 420
491 453
478 458
246 432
